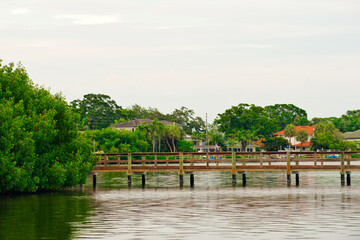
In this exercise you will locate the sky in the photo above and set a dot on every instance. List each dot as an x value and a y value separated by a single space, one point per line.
205 55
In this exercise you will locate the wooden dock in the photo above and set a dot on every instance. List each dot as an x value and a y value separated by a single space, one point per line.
235 162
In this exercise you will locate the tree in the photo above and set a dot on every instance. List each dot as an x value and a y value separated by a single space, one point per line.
40 147
246 117
302 136
327 136
113 140
286 114
185 146
173 134
99 110
275 143
290 132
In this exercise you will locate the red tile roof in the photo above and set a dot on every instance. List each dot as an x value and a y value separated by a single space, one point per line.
304 144
308 129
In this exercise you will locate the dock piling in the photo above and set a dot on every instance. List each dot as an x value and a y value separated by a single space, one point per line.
192 180
143 180
348 178
94 181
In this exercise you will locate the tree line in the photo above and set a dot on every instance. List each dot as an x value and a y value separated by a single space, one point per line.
47 143
238 125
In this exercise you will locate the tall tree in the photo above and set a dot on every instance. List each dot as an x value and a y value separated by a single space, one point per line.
99 109
327 136
302 136
246 117
40 147
290 132
286 114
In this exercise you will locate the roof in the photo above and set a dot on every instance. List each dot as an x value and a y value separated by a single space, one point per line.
304 144
352 135
308 129
259 143
137 122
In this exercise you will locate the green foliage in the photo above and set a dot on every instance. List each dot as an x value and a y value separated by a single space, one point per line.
245 117
348 122
287 114
40 148
111 140
96 111
183 116
185 146
302 136
327 136
275 143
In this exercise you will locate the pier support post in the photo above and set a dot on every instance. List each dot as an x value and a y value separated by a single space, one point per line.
192 180
94 180
244 179
129 170
342 169
129 180
143 180
348 178
233 169
181 169
288 169
181 179
297 179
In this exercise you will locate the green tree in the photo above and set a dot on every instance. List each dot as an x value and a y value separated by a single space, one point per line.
290 132
172 134
185 146
275 143
113 140
286 114
97 110
40 147
302 136
245 117
327 136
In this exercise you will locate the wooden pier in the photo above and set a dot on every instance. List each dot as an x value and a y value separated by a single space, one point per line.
289 162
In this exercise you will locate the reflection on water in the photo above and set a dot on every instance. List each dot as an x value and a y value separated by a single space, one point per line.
266 209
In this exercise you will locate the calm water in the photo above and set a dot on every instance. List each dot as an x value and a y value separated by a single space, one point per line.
266 209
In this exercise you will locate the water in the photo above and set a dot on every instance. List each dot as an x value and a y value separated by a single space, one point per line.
266 209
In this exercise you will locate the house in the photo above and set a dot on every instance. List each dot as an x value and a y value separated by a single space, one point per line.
296 144
133 124
352 136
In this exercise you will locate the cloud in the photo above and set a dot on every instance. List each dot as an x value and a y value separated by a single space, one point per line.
20 11
90 19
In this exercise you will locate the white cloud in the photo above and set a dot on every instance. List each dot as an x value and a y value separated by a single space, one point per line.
90 19
20 11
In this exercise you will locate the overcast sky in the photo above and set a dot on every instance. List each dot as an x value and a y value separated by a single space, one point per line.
203 54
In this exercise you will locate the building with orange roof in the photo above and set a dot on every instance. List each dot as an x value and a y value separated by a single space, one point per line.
294 143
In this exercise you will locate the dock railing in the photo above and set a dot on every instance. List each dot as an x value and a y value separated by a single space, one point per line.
234 162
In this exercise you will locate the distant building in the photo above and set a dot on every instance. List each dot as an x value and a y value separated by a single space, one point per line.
296 144
352 136
133 124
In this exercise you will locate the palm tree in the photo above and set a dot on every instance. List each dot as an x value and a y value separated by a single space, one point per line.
290 132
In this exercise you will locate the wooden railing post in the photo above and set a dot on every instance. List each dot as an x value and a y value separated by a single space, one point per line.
261 159
181 169
233 169
118 160
129 169
143 158
155 160
315 159
288 168
342 169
